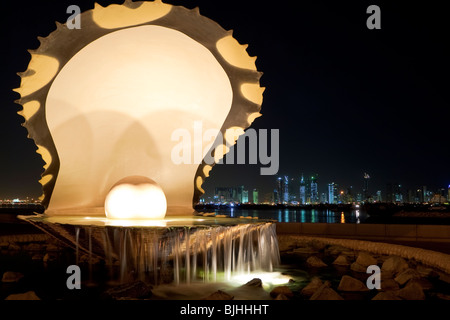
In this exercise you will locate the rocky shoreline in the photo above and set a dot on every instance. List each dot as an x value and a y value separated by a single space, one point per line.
407 273
331 269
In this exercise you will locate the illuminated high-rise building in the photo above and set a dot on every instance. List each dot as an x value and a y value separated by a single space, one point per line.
394 193
448 193
293 190
279 191
286 190
229 194
314 190
302 190
283 189
332 193
255 196
244 196
398 194
223 194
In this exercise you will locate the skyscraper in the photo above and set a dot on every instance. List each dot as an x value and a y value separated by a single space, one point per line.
332 193
302 190
255 196
398 194
314 190
293 189
283 189
286 190
237 194
229 194
366 194
279 191
244 196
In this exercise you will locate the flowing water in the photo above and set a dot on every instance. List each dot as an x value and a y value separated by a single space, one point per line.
181 254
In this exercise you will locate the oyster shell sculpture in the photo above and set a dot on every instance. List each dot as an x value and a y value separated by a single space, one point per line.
102 102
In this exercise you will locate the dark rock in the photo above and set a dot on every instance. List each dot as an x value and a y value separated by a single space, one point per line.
137 289
389 285
388 295
14 247
254 283
335 250
219 295
312 287
37 257
365 259
385 275
281 297
412 291
12 276
406 275
33 247
358 268
351 284
442 296
341 260
326 293
426 272
281 290
318 245
394 265
30 295
315 262
52 248
424 283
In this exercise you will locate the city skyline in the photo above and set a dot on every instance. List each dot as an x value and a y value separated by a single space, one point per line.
309 190
346 99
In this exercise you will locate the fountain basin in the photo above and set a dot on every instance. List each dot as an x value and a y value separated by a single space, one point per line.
179 249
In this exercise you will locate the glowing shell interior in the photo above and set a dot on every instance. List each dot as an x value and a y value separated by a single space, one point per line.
136 198
101 103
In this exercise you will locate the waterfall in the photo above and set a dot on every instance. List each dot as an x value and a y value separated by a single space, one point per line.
183 254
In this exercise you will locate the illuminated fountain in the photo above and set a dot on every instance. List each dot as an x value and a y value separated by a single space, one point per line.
103 103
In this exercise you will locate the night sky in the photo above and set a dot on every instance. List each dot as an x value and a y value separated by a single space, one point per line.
346 99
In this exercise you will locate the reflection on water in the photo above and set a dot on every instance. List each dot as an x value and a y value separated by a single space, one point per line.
300 215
